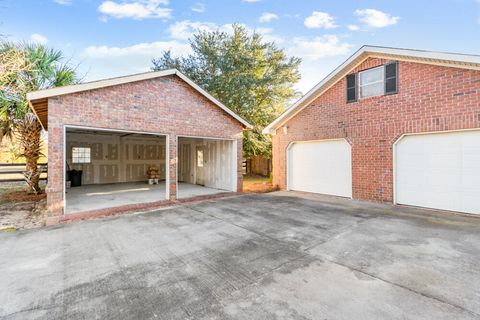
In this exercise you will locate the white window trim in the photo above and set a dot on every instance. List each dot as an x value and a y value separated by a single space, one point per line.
360 85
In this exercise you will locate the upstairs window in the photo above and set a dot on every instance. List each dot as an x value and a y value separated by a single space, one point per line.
371 82
378 81
80 155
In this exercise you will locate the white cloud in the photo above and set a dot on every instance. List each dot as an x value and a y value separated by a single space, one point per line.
375 18
353 27
141 9
185 29
251 1
319 20
320 55
104 61
199 7
38 38
319 47
267 17
64 2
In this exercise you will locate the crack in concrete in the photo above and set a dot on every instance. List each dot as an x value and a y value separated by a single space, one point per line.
426 295
346 230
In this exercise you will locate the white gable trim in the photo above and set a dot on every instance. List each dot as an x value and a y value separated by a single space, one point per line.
454 60
58 91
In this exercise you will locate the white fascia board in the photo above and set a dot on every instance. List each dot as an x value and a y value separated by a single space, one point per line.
212 99
58 91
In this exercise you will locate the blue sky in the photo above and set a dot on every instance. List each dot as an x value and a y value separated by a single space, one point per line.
119 37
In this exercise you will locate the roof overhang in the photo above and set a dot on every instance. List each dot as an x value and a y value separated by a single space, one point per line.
38 100
454 60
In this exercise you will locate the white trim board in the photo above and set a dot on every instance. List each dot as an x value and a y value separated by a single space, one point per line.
454 60
58 91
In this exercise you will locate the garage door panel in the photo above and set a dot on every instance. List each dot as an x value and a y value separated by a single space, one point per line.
440 170
320 167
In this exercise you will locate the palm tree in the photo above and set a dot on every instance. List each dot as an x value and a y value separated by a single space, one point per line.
23 68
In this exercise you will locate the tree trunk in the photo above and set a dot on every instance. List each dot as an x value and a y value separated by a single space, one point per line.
30 132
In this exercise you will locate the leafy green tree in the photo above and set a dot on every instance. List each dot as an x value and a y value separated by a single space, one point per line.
252 77
23 68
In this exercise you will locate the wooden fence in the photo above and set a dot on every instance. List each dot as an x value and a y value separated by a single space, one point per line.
258 165
11 172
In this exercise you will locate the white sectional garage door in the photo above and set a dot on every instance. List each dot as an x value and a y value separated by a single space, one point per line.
320 167
440 171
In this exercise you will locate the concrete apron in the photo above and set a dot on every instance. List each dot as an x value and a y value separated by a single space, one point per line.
188 195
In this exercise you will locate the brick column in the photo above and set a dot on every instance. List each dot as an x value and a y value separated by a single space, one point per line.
239 163
56 183
173 166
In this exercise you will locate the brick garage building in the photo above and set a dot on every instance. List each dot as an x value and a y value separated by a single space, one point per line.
115 130
388 125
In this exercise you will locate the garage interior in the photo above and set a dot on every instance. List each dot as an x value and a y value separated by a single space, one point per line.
205 166
116 167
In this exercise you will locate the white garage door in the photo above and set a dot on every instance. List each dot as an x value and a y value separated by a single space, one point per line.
440 171
321 167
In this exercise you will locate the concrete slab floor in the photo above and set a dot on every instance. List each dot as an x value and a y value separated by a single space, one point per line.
260 256
101 196
188 190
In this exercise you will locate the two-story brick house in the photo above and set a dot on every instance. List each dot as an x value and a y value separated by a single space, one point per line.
388 125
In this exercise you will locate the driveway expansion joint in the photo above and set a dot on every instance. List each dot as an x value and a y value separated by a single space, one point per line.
426 295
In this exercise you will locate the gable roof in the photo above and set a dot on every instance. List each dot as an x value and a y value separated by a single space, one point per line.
38 100
454 60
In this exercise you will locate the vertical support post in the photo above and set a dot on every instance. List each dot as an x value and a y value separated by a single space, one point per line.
171 178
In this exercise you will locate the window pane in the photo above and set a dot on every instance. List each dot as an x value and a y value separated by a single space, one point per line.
370 90
371 76
80 155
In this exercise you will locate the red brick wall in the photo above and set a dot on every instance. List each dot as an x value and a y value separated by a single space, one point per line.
430 98
165 105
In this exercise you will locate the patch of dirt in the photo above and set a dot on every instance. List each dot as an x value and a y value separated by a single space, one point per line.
258 186
20 196
20 210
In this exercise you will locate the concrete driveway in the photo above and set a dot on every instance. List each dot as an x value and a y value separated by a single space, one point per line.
272 256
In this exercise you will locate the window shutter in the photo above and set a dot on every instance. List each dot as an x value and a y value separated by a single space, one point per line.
391 78
352 87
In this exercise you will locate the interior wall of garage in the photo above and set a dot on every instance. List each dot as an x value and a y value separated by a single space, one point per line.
117 157
219 158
